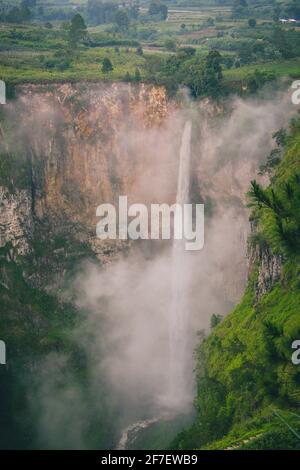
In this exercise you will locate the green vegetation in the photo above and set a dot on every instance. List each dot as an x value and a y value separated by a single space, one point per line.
203 76
54 44
277 207
77 31
106 65
37 321
246 381
36 54
35 324
156 8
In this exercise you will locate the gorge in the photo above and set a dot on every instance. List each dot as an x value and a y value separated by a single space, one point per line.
86 321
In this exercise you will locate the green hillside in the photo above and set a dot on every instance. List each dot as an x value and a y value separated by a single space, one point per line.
248 388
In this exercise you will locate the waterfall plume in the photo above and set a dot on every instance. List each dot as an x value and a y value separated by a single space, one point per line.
178 314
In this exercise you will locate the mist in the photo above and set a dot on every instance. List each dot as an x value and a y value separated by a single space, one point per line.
126 302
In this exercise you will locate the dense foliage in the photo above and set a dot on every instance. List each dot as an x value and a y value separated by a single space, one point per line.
202 75
244 370
56 41
277 207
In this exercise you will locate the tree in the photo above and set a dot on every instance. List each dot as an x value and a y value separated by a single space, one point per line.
215 320
107 65
245 54
240 9
154 7
213 74
276 154
77 31
210 22
252 22
186 52
214 60
164 12
28 3
279 39
18 15
139 50
101 12
158 8
204 77
293 9
127 77
170 45
137 75
122 20
134 11
280 137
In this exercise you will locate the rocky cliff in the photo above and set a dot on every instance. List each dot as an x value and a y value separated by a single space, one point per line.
16 219
68 148
268 264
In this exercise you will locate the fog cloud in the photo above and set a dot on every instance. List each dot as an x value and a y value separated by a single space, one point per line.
125 327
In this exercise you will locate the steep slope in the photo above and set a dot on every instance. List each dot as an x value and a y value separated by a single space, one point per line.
248 389
63 151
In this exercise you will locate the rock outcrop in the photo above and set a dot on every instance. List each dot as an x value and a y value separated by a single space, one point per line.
16 221
269 271
269 265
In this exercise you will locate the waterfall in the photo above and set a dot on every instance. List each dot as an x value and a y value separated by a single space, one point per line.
178 393
178 314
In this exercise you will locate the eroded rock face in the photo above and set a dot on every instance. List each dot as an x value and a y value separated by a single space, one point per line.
269 266
16 223
269 271
87 144
85 139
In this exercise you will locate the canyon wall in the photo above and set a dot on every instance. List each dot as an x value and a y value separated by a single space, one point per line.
78 145
67 148
86 144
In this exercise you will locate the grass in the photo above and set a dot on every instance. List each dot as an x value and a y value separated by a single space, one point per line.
256 432
281 68
27 50
28 67
254 370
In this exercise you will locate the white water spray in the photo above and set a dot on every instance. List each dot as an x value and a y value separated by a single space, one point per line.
177 396
178 315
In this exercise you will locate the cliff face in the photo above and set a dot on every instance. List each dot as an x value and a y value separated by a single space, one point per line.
84 144
270 267
16 221
64 150
268 264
